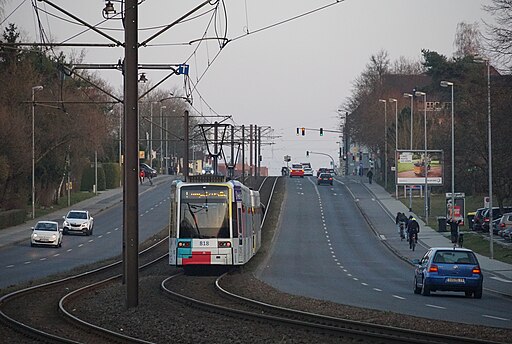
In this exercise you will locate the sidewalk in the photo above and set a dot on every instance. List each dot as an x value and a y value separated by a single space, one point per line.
428 236
102 201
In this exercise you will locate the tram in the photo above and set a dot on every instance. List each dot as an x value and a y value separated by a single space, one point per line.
213 222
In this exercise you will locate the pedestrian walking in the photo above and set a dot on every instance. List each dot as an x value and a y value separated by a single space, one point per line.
141 176
369 175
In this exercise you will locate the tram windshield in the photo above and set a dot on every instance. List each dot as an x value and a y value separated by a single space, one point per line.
204 212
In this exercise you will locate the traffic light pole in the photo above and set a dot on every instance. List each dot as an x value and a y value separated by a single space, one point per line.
311 152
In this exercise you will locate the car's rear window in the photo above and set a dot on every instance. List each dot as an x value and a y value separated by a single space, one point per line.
325 175
455 257
297 166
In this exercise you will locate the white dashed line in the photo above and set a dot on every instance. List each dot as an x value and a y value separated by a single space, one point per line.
434 306
398 297
42 259
355 279
377 289
69 250
101 236
27 263
9 266
344 270
500 279
56 254
365 284
382 237
349 275
495 318
92 240
80 245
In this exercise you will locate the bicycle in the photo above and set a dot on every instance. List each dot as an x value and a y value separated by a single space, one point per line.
412 241
402 231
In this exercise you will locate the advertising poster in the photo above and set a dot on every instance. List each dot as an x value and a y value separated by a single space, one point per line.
456 211
411 167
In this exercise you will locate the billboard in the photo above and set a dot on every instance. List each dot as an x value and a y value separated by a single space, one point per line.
411 167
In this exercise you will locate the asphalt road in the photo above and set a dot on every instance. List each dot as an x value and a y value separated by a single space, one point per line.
326 250
22 263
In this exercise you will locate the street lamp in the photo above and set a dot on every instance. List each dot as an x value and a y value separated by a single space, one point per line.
393 100
450 84
161 138
34 89
487 62
408 95
385 143
425 159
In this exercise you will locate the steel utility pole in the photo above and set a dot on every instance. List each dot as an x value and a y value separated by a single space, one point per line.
131 166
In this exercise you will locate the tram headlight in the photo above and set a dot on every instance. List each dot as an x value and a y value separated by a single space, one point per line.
224 244
184 244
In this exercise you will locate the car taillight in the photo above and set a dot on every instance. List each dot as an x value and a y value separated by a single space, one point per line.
433 268
476 270
502 225
486 219
330 178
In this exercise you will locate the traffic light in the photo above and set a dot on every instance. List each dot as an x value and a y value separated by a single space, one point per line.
298 131
307 153
321 131
303 131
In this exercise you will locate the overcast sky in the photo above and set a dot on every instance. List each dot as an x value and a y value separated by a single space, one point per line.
293 75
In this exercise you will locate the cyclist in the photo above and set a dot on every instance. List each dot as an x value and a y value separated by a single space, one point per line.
413 228
401 221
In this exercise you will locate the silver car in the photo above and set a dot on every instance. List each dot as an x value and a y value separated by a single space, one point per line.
78 221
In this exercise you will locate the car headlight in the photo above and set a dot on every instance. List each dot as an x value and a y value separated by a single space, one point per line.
34 235
54 237
65 224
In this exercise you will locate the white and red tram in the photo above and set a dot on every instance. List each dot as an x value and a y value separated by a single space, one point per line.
213 223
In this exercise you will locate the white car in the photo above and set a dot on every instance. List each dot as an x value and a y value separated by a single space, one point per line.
46 233
308 171
78 221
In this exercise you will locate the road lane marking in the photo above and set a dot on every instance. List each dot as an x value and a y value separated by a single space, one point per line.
27 263
69 250
349 275
101 236
377 289
365 284
9 266
398 297
500 279
43 259
355 279
80 245
434 306
56 255
91 240
382 236
495 318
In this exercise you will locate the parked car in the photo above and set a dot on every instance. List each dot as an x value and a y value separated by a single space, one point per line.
507 233
297 171
478 219
448 269
497 213
148 170
504 222
324 178
78 221
46 233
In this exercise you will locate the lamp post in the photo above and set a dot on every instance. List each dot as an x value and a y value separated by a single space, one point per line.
385 142
34 89
162 138
489 144
120 145
446 84
425 159
393 100
409 95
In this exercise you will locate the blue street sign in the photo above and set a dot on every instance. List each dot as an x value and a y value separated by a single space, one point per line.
183 69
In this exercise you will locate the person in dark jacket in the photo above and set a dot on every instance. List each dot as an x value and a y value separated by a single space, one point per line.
369 175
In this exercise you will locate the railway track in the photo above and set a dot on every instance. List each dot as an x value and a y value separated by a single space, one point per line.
219 300
38 312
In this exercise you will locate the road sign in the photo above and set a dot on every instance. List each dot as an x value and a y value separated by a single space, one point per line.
183 69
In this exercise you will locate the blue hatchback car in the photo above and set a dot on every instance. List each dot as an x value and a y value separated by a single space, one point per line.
448 269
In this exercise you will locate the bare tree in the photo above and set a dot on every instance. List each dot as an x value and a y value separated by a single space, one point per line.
499 36
467 40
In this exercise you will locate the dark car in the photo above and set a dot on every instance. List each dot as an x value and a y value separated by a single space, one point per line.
148 170
478 220
448 269
325 178
321 170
